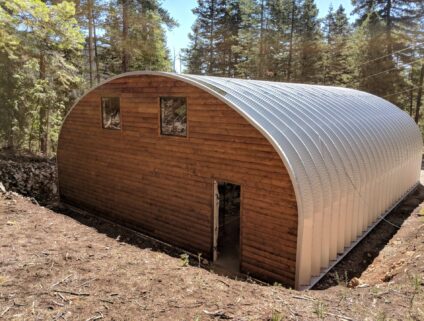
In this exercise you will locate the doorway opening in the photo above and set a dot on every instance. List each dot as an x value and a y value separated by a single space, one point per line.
226 251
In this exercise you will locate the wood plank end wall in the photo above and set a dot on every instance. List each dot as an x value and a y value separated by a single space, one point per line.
164 185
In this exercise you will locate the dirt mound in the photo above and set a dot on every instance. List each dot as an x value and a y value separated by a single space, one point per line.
30 176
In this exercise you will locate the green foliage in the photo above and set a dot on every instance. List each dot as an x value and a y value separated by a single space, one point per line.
185 259
145 44
284 40
39 47
319 309
337 68
49 51
276 316
416 282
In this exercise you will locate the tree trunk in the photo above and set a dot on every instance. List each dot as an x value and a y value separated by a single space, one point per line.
388 11
90 40
10 142
261 42
289 61
411 93
211 35
419 95
43 130
96 55
125 55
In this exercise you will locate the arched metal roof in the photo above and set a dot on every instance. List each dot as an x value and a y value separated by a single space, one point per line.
351 156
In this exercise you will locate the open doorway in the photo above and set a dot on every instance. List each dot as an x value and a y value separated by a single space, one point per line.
226 251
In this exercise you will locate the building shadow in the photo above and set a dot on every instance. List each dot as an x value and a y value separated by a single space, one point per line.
126 234
364 253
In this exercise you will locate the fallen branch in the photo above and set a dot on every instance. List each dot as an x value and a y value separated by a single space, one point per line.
96 317
218 313
57 303
5 311
224 282
339 316
72 293
303 298
63 280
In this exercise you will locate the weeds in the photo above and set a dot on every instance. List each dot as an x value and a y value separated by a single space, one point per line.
184 259
416 283
319 309
374 291
199 259
276 316
341 281
381 316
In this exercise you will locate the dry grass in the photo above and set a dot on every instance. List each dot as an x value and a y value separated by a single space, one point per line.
53 266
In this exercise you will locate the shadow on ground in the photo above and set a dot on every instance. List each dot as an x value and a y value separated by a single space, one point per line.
352 265
363 254
127 235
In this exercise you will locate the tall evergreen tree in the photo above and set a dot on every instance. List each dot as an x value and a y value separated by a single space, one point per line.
194 55
135 36
205 37
228 27
337 32
248 42
309 45
385 25
46 44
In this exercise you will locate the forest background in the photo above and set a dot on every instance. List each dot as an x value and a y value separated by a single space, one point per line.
52 51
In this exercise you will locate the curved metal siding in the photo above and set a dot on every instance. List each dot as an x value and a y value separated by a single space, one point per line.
351 156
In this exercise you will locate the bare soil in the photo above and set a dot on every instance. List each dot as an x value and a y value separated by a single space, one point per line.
62 265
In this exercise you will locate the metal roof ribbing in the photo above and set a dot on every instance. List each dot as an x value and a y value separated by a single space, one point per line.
351 157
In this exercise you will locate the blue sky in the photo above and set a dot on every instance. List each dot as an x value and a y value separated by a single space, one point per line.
181 11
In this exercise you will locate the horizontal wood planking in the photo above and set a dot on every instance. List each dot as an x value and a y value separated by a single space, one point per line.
163 185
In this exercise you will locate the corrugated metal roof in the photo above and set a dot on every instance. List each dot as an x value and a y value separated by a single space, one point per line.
351 156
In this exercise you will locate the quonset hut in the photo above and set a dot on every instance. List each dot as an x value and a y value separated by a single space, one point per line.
278 180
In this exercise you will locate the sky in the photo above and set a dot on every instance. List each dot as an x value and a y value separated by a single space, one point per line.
181 11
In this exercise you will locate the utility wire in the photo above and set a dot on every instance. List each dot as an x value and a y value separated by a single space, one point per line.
394 68
378 58
400 92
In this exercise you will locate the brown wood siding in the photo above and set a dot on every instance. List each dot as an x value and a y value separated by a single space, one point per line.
163 185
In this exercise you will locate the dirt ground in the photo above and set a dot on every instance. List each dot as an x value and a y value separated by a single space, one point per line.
56 266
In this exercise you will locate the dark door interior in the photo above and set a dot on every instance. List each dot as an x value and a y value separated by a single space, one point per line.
229 226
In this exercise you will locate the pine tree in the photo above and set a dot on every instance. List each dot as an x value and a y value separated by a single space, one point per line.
135 36
337 33
309 45
207 34
386 23
248 42
284 15
227 30
46 46
194 55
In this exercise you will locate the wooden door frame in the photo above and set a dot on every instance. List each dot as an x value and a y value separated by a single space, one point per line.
215 218
215 227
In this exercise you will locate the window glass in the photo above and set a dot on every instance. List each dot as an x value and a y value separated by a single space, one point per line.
173 115
111 113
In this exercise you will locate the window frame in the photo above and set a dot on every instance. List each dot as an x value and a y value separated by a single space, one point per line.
161 134
102 114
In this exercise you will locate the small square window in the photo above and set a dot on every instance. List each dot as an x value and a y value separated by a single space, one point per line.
173 116
111 113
